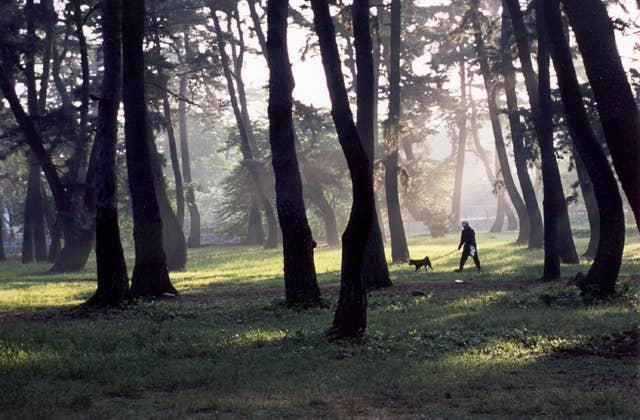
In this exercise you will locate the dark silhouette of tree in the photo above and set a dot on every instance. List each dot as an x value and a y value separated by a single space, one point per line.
301 286
561 229
617 108
399 249
375 270
601 279
150 275
490 87
113 280
591 204
536 230
350 318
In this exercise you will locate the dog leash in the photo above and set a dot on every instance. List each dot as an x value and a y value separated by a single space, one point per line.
444 255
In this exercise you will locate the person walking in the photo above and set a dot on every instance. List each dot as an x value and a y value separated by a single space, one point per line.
468 240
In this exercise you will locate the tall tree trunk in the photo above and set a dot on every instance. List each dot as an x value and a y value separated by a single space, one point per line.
552 199
175 163
190 196
301 285
617 108
173 240
113 280
399 248
462 138
55 230
350 318
591 204
245 138
150 275
536 230
375 271
514 195
34 243
601 278
566 247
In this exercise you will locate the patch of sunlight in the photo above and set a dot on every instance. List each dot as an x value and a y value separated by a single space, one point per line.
45 294
480 299
15 355
257 337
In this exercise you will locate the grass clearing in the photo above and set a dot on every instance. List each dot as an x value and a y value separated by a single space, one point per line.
498 345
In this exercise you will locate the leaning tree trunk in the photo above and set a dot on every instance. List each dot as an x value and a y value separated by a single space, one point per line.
350 318
113 280
536 230
523 235
461 119
399 248
375 271
617 108
190 196
175 163
246 138
601 278
301 285
150 275
544 134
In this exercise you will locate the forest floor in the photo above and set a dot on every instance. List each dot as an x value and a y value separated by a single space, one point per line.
491 344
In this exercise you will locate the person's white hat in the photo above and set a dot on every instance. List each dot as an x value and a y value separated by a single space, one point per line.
464 223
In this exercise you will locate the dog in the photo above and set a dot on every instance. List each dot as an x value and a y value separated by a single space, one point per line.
425 262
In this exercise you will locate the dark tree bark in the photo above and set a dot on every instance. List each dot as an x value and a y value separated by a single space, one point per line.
375 271
462 138
617 108
536 230
34 244
113 280
544 134
190 196
552 199
516 199
150 275
55 230
399 248
317 197
350 318
601 279
301 285
590 203
246 146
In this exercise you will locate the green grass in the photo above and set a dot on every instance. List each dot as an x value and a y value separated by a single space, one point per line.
499 345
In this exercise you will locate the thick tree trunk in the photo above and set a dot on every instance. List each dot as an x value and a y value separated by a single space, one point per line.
113 280
523 235
190 196
150 275
246 146
461 119
552 199
376 271
591 205
55 230
536 230
301 285
399 248
617 108
34 243
601 278
500 213
351 313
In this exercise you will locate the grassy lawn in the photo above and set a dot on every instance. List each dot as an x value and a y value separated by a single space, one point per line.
499 344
